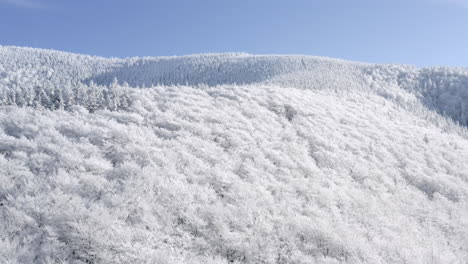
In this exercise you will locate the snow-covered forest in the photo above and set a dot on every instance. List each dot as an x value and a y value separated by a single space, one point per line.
230 158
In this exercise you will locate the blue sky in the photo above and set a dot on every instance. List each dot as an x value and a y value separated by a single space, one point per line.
418 32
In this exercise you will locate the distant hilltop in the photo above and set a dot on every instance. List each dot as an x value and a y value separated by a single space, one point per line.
442 89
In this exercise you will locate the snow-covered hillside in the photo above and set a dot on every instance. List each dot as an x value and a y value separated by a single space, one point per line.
230 158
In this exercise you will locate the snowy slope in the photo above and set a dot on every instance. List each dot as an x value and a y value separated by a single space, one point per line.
224 158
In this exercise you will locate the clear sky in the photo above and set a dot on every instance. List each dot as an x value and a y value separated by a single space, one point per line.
418 32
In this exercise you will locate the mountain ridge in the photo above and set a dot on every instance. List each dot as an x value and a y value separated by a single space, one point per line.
440 89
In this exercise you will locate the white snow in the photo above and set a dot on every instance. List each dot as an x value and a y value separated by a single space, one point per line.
223 158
